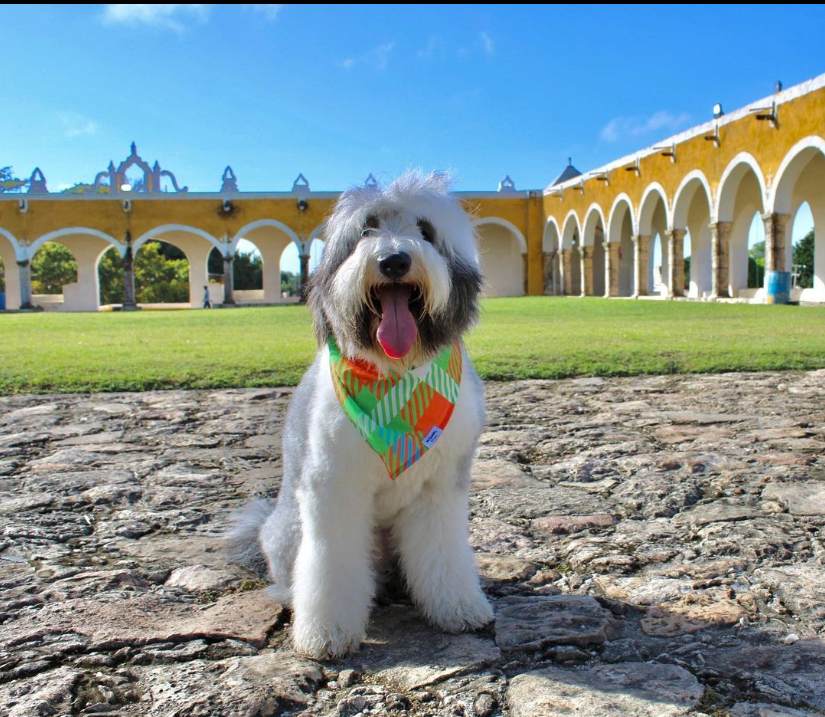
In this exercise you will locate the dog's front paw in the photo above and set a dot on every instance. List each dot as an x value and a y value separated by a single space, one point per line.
466 612
324 643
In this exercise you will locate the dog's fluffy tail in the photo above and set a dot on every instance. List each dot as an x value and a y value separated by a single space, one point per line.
241 542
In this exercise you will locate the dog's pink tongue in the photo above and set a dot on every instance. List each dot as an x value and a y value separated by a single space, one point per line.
397 331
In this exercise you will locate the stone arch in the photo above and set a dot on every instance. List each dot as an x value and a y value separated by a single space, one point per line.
614 222
801 178
550 247
592 218
166 229
10 252
271 238
618 280
653 194
75 231
571 230
793 163
685 193
87 245
738 168
262 223
503 253
741 195
196 245
593 239
692 211
512 228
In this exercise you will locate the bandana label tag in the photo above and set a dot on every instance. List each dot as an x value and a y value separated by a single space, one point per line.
430 439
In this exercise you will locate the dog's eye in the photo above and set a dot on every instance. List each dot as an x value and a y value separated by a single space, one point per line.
370 225
427 230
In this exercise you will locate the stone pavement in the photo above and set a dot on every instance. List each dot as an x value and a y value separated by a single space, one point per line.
653 546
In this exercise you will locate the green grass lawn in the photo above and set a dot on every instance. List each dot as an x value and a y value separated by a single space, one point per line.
538 337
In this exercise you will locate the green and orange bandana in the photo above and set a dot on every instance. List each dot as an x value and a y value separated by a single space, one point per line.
400 417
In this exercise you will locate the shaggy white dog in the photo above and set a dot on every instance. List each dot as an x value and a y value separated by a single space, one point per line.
380 434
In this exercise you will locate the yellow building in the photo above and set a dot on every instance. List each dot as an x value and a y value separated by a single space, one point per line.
586 234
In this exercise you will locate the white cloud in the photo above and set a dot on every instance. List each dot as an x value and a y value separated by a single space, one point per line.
269 12
76 125
487 43
378 57
623 127
170 17
434 48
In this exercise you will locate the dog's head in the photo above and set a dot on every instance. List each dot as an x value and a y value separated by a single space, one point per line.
400 275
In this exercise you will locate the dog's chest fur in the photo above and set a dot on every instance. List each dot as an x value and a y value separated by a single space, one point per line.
438 464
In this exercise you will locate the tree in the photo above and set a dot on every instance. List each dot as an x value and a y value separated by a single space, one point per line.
687 273
247 269
110 275
10 183
803 259
2 276
291 283
756 265
159 279
81 188
52 266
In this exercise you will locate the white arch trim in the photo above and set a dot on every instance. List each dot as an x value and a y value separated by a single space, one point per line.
266 223
551 222
614 210
154 235
566 242
69 231
695 174
522 243
783 204
316 233
18 250
593 209
725 197
642 218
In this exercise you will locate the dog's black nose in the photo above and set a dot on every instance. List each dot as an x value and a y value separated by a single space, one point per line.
395 265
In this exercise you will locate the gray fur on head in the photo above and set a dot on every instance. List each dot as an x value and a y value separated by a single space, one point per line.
416 214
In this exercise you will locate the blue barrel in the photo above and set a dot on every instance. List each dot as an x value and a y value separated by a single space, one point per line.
2 300
779 287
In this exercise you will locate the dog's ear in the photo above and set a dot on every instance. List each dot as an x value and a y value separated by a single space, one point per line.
319 319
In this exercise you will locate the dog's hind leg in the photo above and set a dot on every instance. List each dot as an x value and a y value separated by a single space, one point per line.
280 537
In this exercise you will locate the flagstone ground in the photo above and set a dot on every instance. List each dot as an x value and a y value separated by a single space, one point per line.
652 546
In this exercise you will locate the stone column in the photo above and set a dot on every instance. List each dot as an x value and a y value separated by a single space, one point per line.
129 280
304 275
775 225
641 253
611 269
676 262
524 274
549 279
228 279
720 259
566 272
586 263
25 284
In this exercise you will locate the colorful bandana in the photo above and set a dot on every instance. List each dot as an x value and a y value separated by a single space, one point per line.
400 417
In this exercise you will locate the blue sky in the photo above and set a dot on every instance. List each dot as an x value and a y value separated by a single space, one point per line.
337 92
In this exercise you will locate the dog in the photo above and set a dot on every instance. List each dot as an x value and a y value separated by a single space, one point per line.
381 432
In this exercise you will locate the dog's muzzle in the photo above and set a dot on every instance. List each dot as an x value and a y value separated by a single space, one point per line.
395 266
